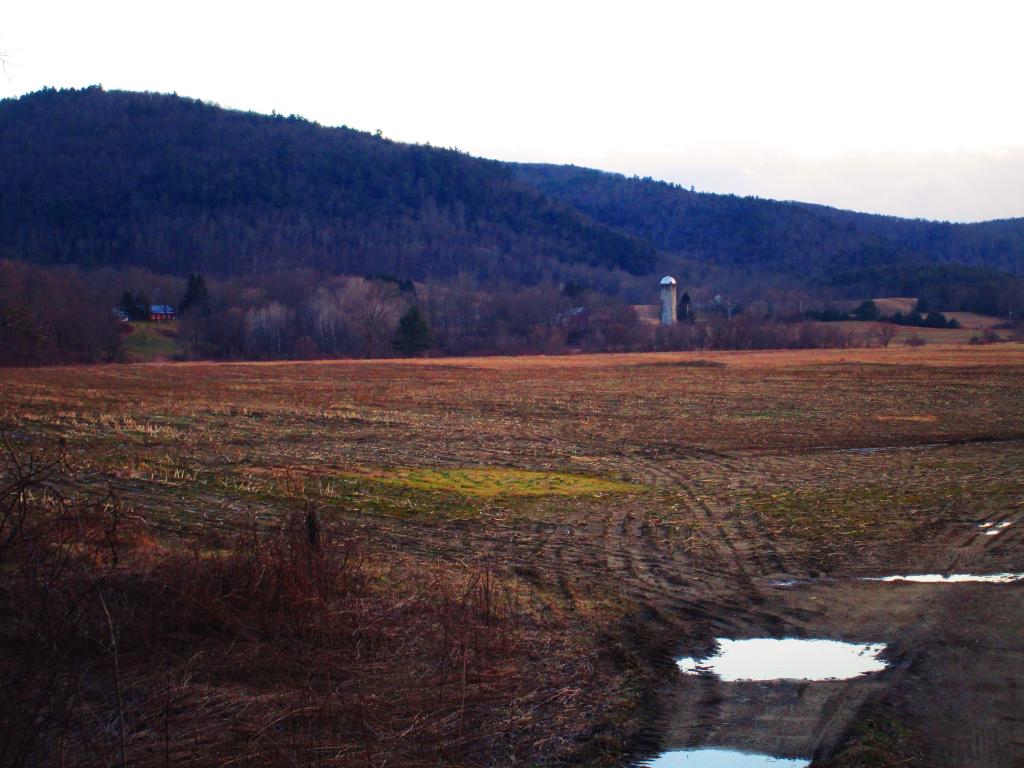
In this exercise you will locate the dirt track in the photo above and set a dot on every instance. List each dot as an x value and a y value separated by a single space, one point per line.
815 468
956 661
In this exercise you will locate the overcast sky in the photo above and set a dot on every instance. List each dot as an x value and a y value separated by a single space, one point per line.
901 107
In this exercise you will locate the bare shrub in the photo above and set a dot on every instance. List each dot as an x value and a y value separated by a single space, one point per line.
56 553
267 330
269 646
886 332
989 336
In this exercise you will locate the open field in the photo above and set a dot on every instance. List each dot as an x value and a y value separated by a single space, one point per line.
859 330
150 342
974 321
509 553
892 304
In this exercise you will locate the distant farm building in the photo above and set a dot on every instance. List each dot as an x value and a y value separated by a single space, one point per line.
668 300
647 314
161 313
666 311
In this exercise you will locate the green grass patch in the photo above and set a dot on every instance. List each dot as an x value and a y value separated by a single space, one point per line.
854 512
151 341
423 494
869 508
498 481
877 742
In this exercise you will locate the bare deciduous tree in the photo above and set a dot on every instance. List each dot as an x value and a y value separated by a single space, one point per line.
373 307
886 333
266 330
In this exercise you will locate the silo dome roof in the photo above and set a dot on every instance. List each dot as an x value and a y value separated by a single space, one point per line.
668 280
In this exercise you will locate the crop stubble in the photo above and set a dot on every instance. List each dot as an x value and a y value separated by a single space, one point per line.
724 472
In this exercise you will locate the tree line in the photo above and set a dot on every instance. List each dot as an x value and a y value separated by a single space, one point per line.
920 316
113 179
66 315
97 178
828 252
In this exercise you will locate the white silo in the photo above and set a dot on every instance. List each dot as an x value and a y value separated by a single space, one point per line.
668 300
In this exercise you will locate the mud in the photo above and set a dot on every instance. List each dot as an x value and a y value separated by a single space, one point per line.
949 651
775 486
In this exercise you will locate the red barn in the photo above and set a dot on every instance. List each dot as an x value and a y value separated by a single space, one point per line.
161 313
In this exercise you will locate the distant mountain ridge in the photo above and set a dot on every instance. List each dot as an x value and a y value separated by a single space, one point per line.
794 237
99 178
94 178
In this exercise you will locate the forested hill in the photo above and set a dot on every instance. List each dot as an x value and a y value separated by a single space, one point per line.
752 234
96 177
101 178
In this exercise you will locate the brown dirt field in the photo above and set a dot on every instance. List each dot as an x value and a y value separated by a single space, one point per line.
867 333
817 466
942 355
893 304
973 320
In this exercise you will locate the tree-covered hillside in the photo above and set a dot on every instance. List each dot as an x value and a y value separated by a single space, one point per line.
95 178
809 243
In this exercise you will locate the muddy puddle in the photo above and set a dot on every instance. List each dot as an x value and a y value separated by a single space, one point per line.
763 659
778 701
994 529
918 578
763 701
720 758
953 578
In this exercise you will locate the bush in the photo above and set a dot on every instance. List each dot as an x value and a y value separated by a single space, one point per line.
413 334
254 647
988 337
866 310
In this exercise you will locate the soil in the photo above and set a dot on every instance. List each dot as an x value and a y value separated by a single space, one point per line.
754 468
956 663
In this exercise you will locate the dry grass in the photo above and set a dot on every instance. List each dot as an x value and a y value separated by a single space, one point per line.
528 504
974 321
892 304
291 644
493 482
943 337
150 342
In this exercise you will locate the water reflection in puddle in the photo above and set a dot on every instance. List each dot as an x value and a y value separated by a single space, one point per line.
786 659
954 578
994 529
720 758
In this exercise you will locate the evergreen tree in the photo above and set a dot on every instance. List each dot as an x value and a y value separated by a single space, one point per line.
683 308
142 306
867 310
413 334
135 305
128 304
197 297
573 289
